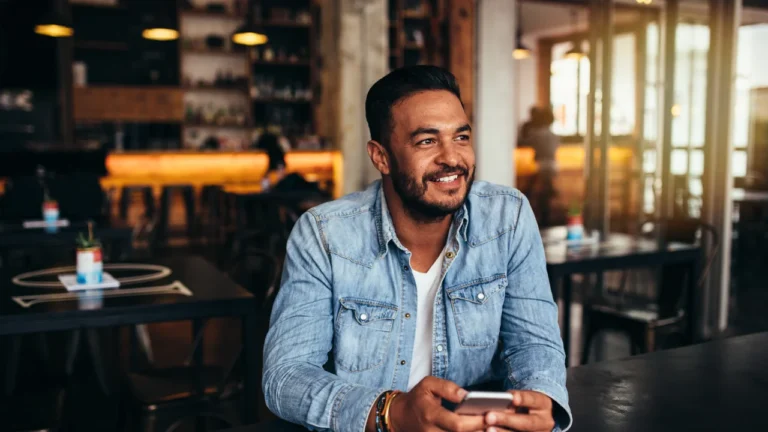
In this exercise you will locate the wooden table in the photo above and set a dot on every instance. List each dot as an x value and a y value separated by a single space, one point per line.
183 289
617 252
716 386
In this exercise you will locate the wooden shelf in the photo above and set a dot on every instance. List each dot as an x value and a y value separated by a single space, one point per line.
216 126
281 101
202 13
300 63
213 88
284 24
102 45
408 14
117 7
413 46
221 52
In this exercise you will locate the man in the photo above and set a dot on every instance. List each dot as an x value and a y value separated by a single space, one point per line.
424 283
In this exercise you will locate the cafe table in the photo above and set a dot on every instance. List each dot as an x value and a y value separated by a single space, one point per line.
14 235
615 252
173 289
715 386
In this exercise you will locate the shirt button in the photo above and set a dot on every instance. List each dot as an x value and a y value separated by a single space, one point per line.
402 362
363 317
407 315
480 296
439 348
405 268
450 255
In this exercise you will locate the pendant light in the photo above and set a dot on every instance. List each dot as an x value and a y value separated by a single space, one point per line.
250 34
159 28
521 51
575 53
56 23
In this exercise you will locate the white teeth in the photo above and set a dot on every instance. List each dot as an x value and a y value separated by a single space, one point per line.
448 179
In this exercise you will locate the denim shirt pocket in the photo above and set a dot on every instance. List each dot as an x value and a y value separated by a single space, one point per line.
363 328
477 307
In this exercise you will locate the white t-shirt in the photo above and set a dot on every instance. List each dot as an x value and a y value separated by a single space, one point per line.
426 287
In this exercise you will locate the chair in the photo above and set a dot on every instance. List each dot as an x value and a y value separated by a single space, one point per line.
168 397
645 321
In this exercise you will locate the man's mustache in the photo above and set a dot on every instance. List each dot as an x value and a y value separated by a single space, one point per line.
445 172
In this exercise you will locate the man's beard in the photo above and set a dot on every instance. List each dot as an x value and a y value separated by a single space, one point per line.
411 191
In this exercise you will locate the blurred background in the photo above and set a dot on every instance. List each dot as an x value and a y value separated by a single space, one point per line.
206 127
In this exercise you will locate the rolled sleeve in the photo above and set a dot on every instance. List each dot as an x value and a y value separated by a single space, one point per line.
560 410
351 408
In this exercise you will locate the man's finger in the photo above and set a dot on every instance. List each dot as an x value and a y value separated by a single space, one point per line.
447 390
453 422
519 422
531 400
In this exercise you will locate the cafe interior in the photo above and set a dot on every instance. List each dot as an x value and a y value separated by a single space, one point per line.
173 144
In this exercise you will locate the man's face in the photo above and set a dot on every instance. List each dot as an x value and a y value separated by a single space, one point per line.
432 162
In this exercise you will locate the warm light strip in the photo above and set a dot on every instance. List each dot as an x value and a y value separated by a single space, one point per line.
160 34
54 30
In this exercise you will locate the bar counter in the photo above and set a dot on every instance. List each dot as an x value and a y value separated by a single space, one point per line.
162 168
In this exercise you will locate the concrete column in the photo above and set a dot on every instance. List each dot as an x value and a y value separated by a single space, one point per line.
495 127
355 55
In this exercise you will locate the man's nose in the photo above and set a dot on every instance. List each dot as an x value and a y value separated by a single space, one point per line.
448 154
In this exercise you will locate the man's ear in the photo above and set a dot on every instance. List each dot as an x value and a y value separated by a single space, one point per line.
379 156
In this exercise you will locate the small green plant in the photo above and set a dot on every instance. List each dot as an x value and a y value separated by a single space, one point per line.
47 195
574 209
84 242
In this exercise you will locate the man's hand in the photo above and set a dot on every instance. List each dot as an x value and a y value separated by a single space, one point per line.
532 412
421 409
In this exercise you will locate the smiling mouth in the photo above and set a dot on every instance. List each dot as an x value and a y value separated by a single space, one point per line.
447 179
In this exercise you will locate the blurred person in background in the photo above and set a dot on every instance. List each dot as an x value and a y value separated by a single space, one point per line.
537 134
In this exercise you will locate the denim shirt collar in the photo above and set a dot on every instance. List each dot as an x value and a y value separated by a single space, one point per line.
387 229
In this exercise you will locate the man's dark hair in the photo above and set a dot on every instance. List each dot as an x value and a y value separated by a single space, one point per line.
397 85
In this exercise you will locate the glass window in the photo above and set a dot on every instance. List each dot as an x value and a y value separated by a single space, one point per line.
739 163
679 162
569 87
623 85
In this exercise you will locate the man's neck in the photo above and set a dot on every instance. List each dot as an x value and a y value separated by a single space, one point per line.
424 238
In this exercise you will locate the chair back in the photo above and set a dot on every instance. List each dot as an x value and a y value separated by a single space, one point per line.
257 271
674 278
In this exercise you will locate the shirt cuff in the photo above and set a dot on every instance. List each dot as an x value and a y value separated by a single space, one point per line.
352 407
561 412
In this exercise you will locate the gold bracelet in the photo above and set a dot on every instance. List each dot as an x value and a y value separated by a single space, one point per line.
388 403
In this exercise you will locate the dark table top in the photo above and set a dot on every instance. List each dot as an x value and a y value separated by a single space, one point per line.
13 234
194 288
716 386
615 252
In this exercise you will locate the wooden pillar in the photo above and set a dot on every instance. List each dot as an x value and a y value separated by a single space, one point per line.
717 209
462 44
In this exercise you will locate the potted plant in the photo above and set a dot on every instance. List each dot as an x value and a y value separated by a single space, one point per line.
575 222
89 258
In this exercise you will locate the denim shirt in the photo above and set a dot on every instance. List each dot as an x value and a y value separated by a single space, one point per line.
348 289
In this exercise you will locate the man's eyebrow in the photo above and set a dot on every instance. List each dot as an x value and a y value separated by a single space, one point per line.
465 128
423 130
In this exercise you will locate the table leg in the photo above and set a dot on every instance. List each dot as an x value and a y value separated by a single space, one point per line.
567 295
252 363
693 276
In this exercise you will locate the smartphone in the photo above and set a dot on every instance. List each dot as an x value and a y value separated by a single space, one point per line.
479 403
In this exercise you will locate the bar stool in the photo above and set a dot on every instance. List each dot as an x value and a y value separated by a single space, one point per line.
188 195
125 200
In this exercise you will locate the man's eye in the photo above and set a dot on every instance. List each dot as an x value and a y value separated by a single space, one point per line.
427 141
463 137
